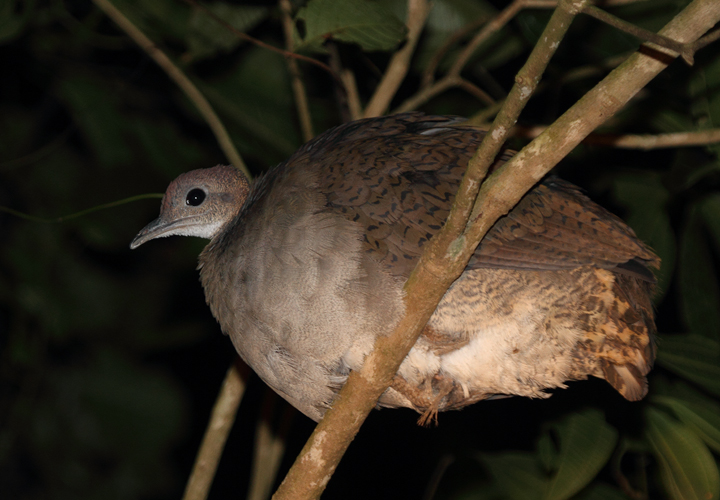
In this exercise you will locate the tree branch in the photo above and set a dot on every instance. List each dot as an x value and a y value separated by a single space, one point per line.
646 36
452 78
400 62
301 99
182 81
260 43
439 266
219 425
353 97
269 445
604 100
632 141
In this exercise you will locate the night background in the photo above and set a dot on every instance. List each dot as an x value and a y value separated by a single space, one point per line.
110 361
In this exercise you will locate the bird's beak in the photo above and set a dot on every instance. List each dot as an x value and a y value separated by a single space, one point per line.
153 230
160 228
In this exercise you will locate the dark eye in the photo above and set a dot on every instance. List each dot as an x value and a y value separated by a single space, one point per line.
195 197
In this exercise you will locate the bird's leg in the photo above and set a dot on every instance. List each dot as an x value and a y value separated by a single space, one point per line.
428 397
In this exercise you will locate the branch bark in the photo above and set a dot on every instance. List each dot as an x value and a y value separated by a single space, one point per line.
418 11
634 141
441 263
301 99
220 423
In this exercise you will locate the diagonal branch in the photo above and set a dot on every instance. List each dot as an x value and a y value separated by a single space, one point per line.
182 81
260 43
442 263
439 266
418 11
452 78
301 99
647 36
213 443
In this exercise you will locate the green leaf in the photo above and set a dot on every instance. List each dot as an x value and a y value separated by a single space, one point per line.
516 474
704 421
206 37
693 357
586 443
699 291
367 23
687 468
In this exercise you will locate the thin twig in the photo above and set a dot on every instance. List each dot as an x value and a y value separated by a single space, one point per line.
298 87
400 62
430 88
341 95
638 32
182 81
219 425
428 76
476 91
260 43
591 70
269 445
495 25
634 141
483 117
706 40
424 95
440 264
452 78
64 218
353 97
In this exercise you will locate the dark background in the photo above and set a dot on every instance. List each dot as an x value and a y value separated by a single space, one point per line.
109 359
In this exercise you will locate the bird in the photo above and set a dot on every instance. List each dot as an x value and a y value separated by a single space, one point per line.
305 268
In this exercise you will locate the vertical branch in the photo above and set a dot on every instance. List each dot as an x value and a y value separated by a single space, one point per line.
353 98
400 62
220 423
301 100
182 81
269 445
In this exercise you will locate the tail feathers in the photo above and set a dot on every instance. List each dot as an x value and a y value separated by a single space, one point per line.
629 354
626 379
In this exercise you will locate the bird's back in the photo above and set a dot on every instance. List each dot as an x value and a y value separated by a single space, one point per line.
311 269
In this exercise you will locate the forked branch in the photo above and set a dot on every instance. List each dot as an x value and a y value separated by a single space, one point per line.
446 256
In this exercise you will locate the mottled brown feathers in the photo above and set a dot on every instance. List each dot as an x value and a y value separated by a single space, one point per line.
306 270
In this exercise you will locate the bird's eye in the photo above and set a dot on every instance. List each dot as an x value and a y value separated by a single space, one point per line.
195 197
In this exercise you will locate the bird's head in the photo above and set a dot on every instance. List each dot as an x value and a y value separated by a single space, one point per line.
198 203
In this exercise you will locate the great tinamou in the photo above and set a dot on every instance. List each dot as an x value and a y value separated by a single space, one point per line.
305 269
